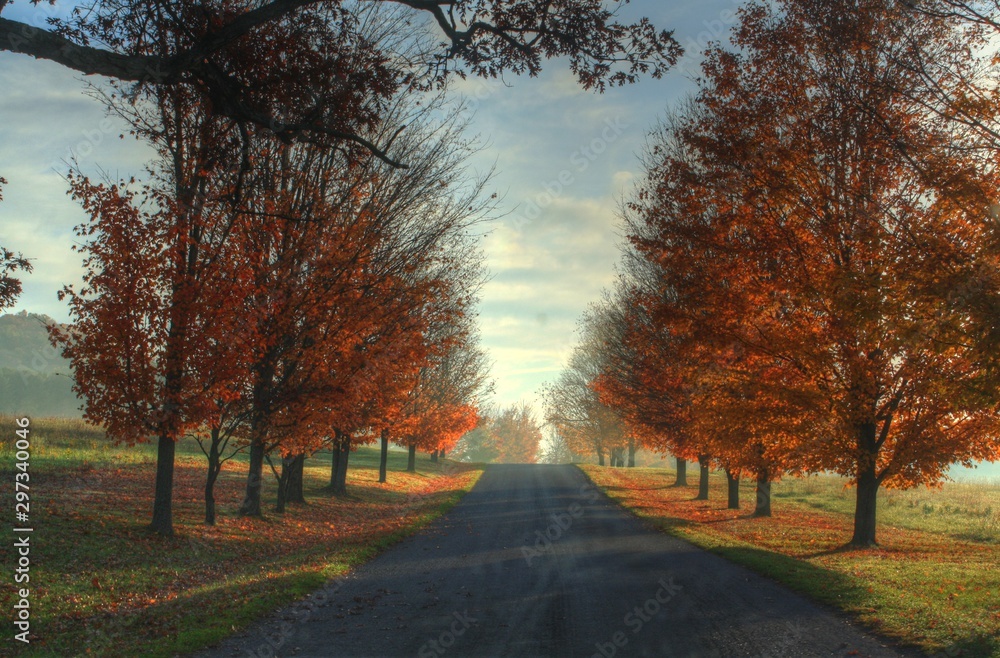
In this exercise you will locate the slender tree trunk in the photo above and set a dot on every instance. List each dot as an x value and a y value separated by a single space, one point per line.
631 453
600 458
763 504
703 461
383 462
255 478
733 489
340 486
411 459
163 516
682 473
214 467
283 479
868 485
296 483
444 453
434 456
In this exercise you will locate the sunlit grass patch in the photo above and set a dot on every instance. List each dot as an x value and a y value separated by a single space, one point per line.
101 584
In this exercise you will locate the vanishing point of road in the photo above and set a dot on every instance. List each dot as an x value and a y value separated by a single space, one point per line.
534 561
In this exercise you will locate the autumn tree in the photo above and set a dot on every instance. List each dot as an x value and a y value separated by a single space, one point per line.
573 407
835 250
150 349
449 389
517 435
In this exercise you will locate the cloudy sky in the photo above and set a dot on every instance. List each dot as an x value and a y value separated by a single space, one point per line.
563 158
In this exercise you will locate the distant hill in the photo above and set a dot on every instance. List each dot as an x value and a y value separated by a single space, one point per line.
34 379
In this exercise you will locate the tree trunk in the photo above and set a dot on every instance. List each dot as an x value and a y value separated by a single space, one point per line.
283 478
702 477
682 473
296 482
631 453
411 460
443 453
334 461
733 489
384 457
868 485
255 478
163 516
434 456
214 467
600 458
340 486
763 504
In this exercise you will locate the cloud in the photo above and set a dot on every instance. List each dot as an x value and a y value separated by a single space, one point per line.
546 271
49 120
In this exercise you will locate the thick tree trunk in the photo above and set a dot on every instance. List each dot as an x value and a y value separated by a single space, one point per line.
763 503
340 486
255 478
631 453
733 489
434 456
163 516
334 461
703 461
296 483
383 461
682 473
600 458
411 459
868 485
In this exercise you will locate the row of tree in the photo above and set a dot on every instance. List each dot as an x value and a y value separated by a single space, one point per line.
299 268
812 272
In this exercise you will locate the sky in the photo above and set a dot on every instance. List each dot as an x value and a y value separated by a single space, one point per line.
563 159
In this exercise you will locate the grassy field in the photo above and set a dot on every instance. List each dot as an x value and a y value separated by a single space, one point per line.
102 585
933 583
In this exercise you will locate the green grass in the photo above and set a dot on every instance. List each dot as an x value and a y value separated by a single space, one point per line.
103 585
932 583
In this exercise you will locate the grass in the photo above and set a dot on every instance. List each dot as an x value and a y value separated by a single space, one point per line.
933 582
102 585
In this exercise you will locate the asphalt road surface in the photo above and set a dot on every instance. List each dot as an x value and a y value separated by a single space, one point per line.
534 561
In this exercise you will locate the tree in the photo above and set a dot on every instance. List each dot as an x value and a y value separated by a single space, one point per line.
573 407
477 445
310 68
826 247
517 435
10 262
556 451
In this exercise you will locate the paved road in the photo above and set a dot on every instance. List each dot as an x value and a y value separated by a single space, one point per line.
535 562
